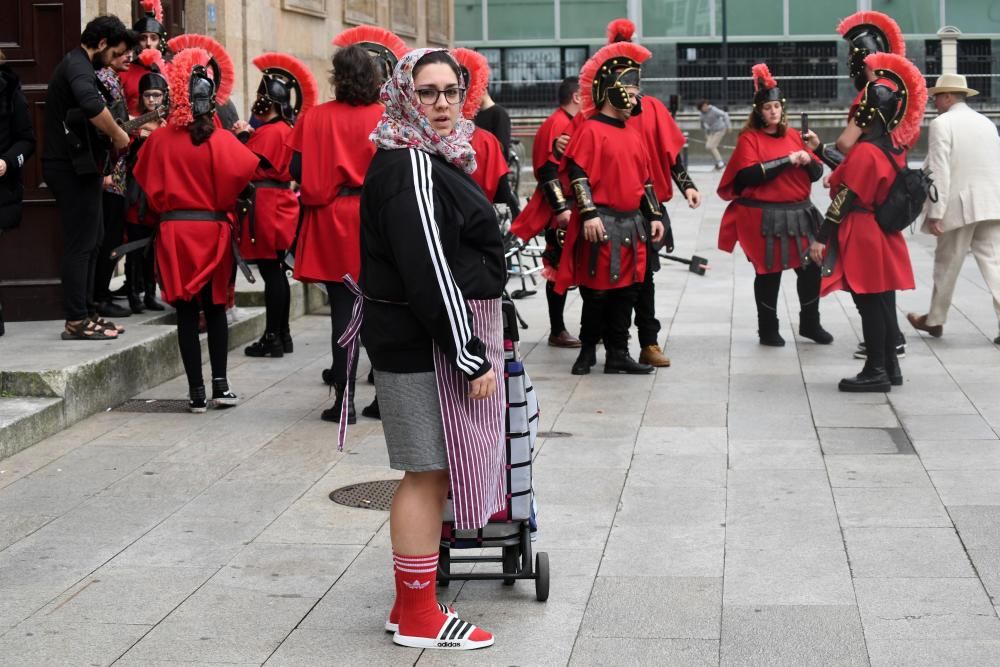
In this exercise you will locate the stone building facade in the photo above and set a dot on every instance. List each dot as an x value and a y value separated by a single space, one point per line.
303 28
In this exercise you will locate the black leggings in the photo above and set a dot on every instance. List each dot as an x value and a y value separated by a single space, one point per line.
879 327
79 200
341 306
140 265
557 304
608 314
187 336
113 211
277 295
766 287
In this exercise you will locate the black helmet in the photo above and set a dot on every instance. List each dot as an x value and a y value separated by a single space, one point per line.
275 89
201 92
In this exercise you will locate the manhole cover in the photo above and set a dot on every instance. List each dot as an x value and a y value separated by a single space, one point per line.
553 434
153 405
367 495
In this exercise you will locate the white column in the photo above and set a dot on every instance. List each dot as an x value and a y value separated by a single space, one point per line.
949 49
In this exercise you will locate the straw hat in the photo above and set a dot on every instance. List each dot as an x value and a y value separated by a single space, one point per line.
951 83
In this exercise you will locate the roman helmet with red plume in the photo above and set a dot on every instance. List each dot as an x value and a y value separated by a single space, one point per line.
620 30
151 20
287 82
895 102
765 89
156 77
476 72
192 90
867 33
221 64
383 46
608 73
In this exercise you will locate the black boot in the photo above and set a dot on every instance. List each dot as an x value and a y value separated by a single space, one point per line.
333 414
767 328
585 360
196 401
222 395
150 301
619 361
870 379
809 327
371 410
286 342
269 345
894 372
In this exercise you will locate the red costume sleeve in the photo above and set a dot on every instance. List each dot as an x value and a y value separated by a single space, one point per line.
743 156
269 142
864 171
664 141
585 149
490 163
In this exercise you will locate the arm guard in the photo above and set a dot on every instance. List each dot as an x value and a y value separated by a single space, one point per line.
830 156
554 196
581 190
758 173
681 177
840 205
650 205
815 171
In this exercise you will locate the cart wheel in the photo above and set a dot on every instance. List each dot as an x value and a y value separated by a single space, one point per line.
444 567
510 563
542 577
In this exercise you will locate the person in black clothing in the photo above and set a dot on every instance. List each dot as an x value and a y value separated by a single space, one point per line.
17 144
73 165
494 119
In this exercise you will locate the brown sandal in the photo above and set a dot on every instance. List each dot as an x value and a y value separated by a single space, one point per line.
109 325
86 330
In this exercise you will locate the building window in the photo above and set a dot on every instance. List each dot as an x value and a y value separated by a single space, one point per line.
818 18
530 77
973 16
521 19
469 21
759 17
587 19
677 18
975 57
914 16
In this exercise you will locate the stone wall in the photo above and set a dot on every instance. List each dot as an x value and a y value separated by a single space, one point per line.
303 28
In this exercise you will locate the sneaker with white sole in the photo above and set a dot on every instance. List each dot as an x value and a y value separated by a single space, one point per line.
455 635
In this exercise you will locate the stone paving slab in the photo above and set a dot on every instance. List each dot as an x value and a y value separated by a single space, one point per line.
732 509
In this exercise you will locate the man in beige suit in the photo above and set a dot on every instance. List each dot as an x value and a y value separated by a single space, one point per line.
963 156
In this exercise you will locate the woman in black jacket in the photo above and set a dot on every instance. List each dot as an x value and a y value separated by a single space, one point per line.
17 143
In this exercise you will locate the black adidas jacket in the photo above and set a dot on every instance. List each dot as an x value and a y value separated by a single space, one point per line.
429 242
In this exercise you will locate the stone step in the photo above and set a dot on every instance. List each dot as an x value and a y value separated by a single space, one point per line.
28 420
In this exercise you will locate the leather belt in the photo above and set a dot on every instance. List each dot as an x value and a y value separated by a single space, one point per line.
348 192
271 183
195 215
621 228
785 223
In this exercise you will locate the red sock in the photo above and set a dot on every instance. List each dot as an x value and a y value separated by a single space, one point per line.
397 604
416 594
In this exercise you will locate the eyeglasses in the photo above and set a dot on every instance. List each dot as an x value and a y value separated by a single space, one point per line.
153 95
430 96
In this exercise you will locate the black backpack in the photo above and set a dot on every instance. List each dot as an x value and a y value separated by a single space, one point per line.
906 197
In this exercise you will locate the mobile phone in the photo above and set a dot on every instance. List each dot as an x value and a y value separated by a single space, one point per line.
805 124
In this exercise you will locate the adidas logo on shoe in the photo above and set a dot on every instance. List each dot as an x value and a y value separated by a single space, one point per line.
416 585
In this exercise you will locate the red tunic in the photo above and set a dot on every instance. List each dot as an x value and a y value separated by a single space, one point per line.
664 140
177 175
617 165
130 84
537 215
490 162
870 260
743 223
276 210
336 151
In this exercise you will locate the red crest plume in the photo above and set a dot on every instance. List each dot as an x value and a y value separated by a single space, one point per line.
590 69
375 35
883 22
178 80
154 7
908 130
153 59
296 68
762 79
479 79
620 30
223 88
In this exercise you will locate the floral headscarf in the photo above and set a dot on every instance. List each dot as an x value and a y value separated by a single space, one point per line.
404 126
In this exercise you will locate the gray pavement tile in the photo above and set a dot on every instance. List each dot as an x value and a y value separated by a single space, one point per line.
906 552
665 506
687 414
361 599
185 541
47 642
319 520
682 440
967 487
649 551
792 635
952 402
308 647
126 595
959 454
563 486
584 452
593 425
846 440
987 564
657 470
933 652
855 414
898 507
775 455
921 609
166 643
856 471
800 576
15 526
979 527
600 651
306 570
664 607
756 425
569 528
941 427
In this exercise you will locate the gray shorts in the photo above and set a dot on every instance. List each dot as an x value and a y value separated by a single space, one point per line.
411 421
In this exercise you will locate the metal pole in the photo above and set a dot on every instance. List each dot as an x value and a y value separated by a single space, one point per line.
725 60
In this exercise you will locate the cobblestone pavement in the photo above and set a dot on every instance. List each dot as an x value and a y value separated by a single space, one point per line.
732 509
